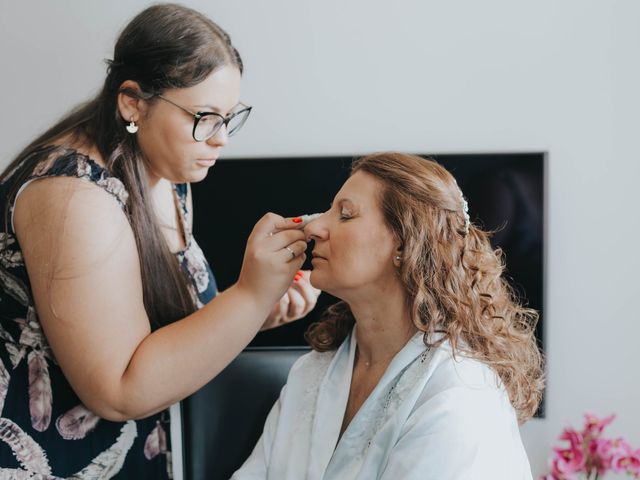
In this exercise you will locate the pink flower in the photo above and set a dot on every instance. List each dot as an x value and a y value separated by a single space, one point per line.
625 460
574 438
593 426
589 455
567 462
600 453
620 446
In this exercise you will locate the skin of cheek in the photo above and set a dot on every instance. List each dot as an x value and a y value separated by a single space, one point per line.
366 260
167 144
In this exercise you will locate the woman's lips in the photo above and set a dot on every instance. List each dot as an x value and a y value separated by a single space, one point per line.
315 256
206 162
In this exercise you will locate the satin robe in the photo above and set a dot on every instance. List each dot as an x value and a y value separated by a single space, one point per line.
431 417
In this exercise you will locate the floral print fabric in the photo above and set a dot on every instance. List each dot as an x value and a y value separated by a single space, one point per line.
45 431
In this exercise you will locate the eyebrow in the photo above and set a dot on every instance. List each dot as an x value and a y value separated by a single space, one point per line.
343 200
206 108
215 109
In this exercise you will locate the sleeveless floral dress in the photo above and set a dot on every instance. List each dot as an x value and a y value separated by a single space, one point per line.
45 431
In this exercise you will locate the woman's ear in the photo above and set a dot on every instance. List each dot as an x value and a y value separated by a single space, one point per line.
129 101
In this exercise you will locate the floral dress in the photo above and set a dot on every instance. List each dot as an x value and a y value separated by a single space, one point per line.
45 431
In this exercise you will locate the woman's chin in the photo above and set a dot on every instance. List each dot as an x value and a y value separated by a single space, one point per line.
316 281
198 175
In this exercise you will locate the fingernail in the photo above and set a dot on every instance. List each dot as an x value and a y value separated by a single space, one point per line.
300 272
296 220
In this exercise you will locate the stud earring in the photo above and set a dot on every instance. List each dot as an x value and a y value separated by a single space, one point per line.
132 127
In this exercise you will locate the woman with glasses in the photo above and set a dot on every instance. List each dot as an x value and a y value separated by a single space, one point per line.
108 316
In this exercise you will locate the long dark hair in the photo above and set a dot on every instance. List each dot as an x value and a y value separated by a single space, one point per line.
165 46
452 276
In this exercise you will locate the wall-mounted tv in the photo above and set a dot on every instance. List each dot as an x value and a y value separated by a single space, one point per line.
505 194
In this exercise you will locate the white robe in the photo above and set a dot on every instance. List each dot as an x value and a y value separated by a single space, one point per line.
430 418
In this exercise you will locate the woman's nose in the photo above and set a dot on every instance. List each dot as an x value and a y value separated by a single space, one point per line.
316 229
221 137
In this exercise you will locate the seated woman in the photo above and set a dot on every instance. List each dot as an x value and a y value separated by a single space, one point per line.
428 364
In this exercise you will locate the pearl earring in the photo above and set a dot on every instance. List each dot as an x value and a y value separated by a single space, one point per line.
132 127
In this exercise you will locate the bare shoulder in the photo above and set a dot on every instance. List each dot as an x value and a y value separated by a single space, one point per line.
75 219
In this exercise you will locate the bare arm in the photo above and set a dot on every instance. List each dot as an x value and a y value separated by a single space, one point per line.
83 264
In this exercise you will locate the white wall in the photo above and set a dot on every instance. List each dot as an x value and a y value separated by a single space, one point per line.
354 76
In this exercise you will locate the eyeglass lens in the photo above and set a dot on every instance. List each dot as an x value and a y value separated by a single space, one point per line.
208 125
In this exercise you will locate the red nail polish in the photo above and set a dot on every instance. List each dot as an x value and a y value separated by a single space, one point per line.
296 220
300 272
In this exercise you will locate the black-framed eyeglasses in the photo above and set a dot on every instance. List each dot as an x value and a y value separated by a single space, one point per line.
207 124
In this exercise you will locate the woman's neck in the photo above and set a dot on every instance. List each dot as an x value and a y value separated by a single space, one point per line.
383 328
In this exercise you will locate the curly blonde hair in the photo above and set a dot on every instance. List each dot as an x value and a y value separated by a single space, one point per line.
453 278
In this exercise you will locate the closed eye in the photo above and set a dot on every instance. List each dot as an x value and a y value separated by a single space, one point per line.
345 215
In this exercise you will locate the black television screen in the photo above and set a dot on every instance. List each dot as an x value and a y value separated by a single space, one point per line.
505 194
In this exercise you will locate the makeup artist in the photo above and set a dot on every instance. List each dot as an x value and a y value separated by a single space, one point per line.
107 306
